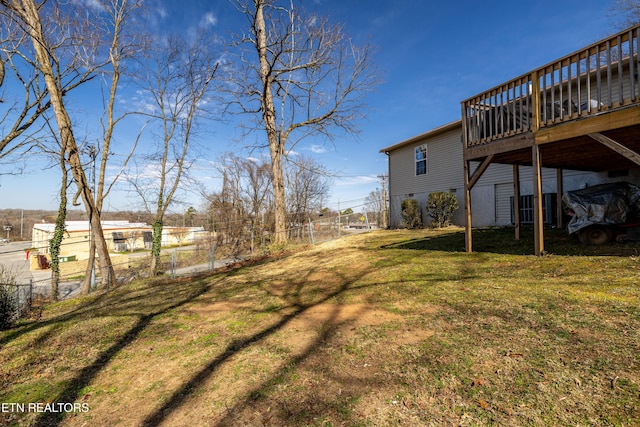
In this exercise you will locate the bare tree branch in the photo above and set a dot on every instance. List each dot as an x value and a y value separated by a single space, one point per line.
305 78
52 65
178 82
628 11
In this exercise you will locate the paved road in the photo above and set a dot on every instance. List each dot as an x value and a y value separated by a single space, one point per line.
14 262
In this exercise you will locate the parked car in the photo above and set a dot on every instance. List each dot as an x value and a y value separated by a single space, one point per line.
603 213
4 241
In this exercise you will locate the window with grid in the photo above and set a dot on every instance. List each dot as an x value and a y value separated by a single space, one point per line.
421 159
527 207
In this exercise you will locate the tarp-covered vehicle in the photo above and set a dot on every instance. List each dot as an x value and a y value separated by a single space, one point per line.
602 213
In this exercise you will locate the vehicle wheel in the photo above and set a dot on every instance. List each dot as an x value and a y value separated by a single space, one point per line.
595 235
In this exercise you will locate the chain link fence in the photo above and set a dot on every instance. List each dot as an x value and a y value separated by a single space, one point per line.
15 302
206 253
325 229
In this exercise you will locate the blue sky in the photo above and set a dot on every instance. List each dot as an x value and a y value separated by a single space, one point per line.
431 55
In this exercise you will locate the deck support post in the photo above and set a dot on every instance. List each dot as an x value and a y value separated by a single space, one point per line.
468 244
538 228
516 201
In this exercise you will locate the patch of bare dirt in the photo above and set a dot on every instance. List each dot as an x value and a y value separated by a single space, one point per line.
345 320
343 316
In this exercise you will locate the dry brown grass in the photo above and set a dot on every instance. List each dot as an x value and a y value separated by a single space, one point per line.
358 332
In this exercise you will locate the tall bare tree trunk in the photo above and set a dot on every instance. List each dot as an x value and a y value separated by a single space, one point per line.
311 78
85 287
276 143
58 234
179 79
29 13
279 200
119 50
156 246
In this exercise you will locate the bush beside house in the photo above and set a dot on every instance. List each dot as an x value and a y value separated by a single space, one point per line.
441 206
411 217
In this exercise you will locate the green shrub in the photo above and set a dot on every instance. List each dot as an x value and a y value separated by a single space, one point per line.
8 298
7 308
411 217
441 206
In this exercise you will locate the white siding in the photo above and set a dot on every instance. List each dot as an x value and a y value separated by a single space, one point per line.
483 206
395 211
504 193
444 173
444 163
495 173
490 197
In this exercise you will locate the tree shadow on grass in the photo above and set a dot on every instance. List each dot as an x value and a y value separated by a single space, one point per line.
124 300
296 306
145 303
304 408
148 303
501 240
146 310
72 392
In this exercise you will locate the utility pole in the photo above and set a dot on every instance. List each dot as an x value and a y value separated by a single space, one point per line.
384 200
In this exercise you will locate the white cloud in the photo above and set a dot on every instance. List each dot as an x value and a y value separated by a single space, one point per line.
318 149
94 4
209 20
356 180
162 12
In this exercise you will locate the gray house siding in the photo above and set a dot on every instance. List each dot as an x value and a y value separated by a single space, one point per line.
443 173
443 161
490 197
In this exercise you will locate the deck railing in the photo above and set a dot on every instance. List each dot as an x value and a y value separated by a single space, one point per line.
599 78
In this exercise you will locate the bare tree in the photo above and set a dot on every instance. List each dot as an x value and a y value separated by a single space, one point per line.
258 196
227 205
132 238
24 97
375 203
55 150
17 70
179 76
308 186
59 47
121 43
244 199
20 115
306 78
629 11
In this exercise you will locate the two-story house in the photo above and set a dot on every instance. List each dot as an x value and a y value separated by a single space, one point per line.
572 123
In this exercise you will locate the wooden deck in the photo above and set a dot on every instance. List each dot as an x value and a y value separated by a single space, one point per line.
581 112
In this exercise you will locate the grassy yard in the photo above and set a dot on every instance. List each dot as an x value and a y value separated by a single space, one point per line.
383 329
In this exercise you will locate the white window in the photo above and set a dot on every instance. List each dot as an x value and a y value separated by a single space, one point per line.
421 159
